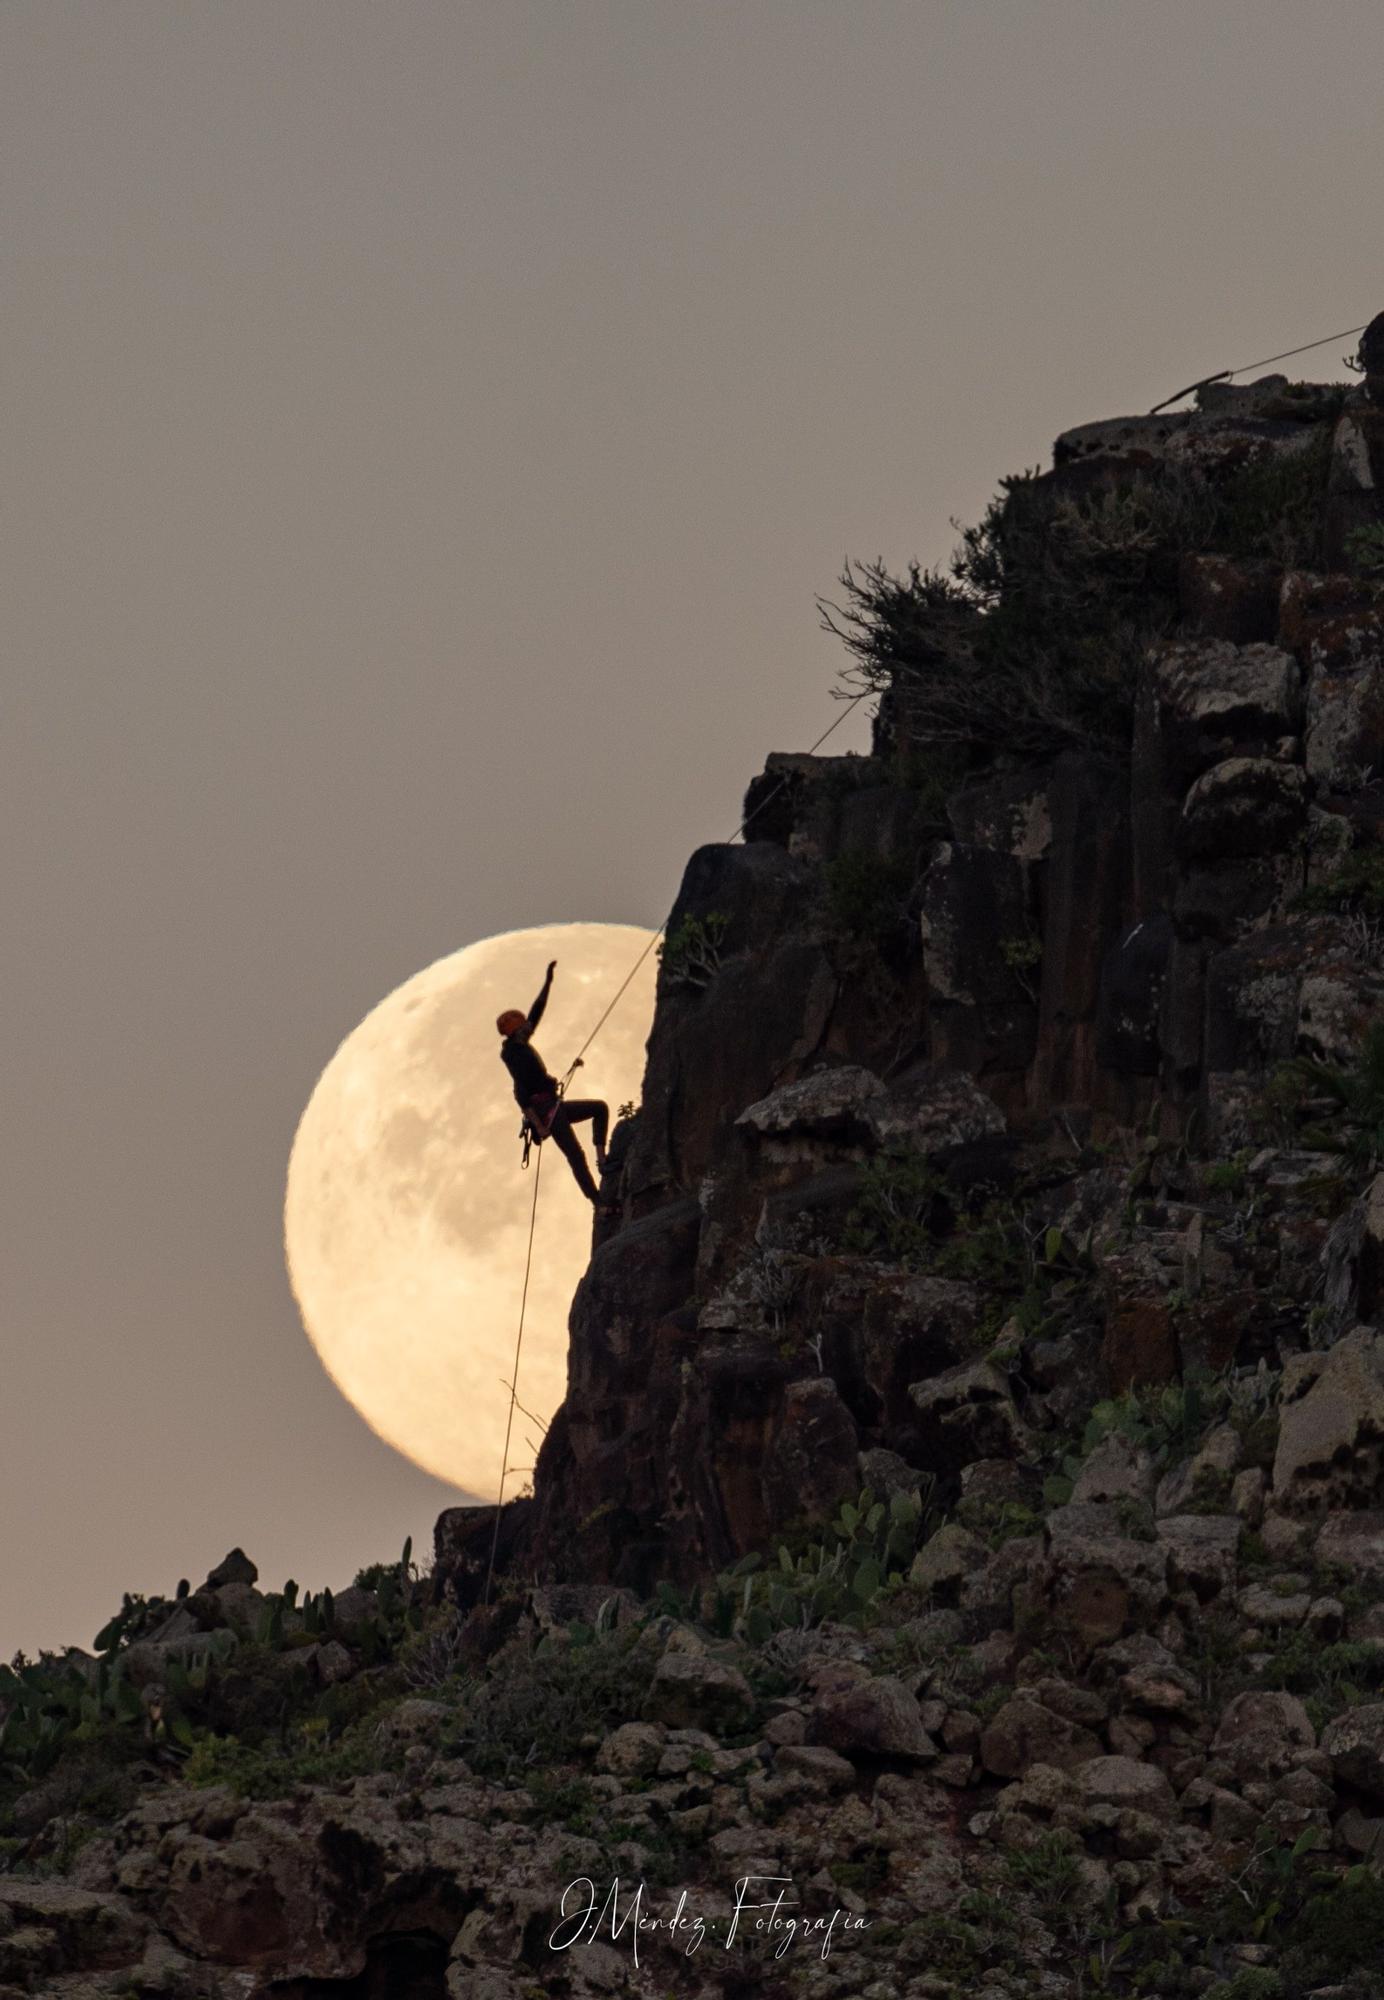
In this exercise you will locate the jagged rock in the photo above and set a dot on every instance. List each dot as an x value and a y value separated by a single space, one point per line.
1331 1428
147 1660
332 1662
1211 438
238 1605
1355 1744
692 1689
1212 701
932 1108
251 1900
1242 807
1095 1581
754 1026
988 1594
1336 627
234 1568
1205 1478
902 1330
1360 1834
632 1750
1236 838
884 1472
1008 814
1117 1469
964 1414
798 801
1201 1551
948 1556
1159 1689
1260 1731
876 1717
1086 910
1024 1732
830 1105
1230 598
817 1769
1353 1542
79 1928
1125 1782
1272 1607
811 1460
978 911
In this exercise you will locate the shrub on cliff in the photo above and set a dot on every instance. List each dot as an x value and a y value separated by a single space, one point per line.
1030 642
535 1710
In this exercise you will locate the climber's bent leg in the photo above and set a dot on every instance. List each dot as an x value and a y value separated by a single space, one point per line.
569 1145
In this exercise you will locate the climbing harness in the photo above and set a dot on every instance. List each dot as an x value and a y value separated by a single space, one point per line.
534 1131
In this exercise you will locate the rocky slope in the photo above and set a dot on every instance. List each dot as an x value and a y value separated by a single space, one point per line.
967 1510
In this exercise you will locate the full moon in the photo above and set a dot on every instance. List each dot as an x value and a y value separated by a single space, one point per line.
406 1216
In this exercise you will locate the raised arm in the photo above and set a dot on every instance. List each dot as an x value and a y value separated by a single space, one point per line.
536 1011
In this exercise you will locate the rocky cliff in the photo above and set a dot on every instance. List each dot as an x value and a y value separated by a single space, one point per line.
967 1508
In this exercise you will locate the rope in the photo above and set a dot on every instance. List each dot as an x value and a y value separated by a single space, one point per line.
850 702
1226 373
514 1381
766 800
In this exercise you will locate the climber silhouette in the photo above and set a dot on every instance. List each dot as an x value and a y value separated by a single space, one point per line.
547 1114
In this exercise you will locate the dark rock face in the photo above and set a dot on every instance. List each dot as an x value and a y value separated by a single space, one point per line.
1085 944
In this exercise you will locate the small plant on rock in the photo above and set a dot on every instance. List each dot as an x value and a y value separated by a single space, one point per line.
690 954
864 1554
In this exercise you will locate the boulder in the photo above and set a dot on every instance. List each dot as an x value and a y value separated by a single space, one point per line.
1243 807
966 1413
1355 1543
931 1109
1212 701
1117 1469
690 1689
946 1558
817 1769
1204 1479
1331 1434
1126 1782
1355 1744
829 1106
874 1717
1024 1732
631 1751
1097 1582
1201 1551
85 1929
1261 1733
233 1568
1139 1344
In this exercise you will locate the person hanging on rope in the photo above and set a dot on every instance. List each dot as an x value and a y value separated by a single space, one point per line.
547 1113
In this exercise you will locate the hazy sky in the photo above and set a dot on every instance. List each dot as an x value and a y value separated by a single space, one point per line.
427 426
